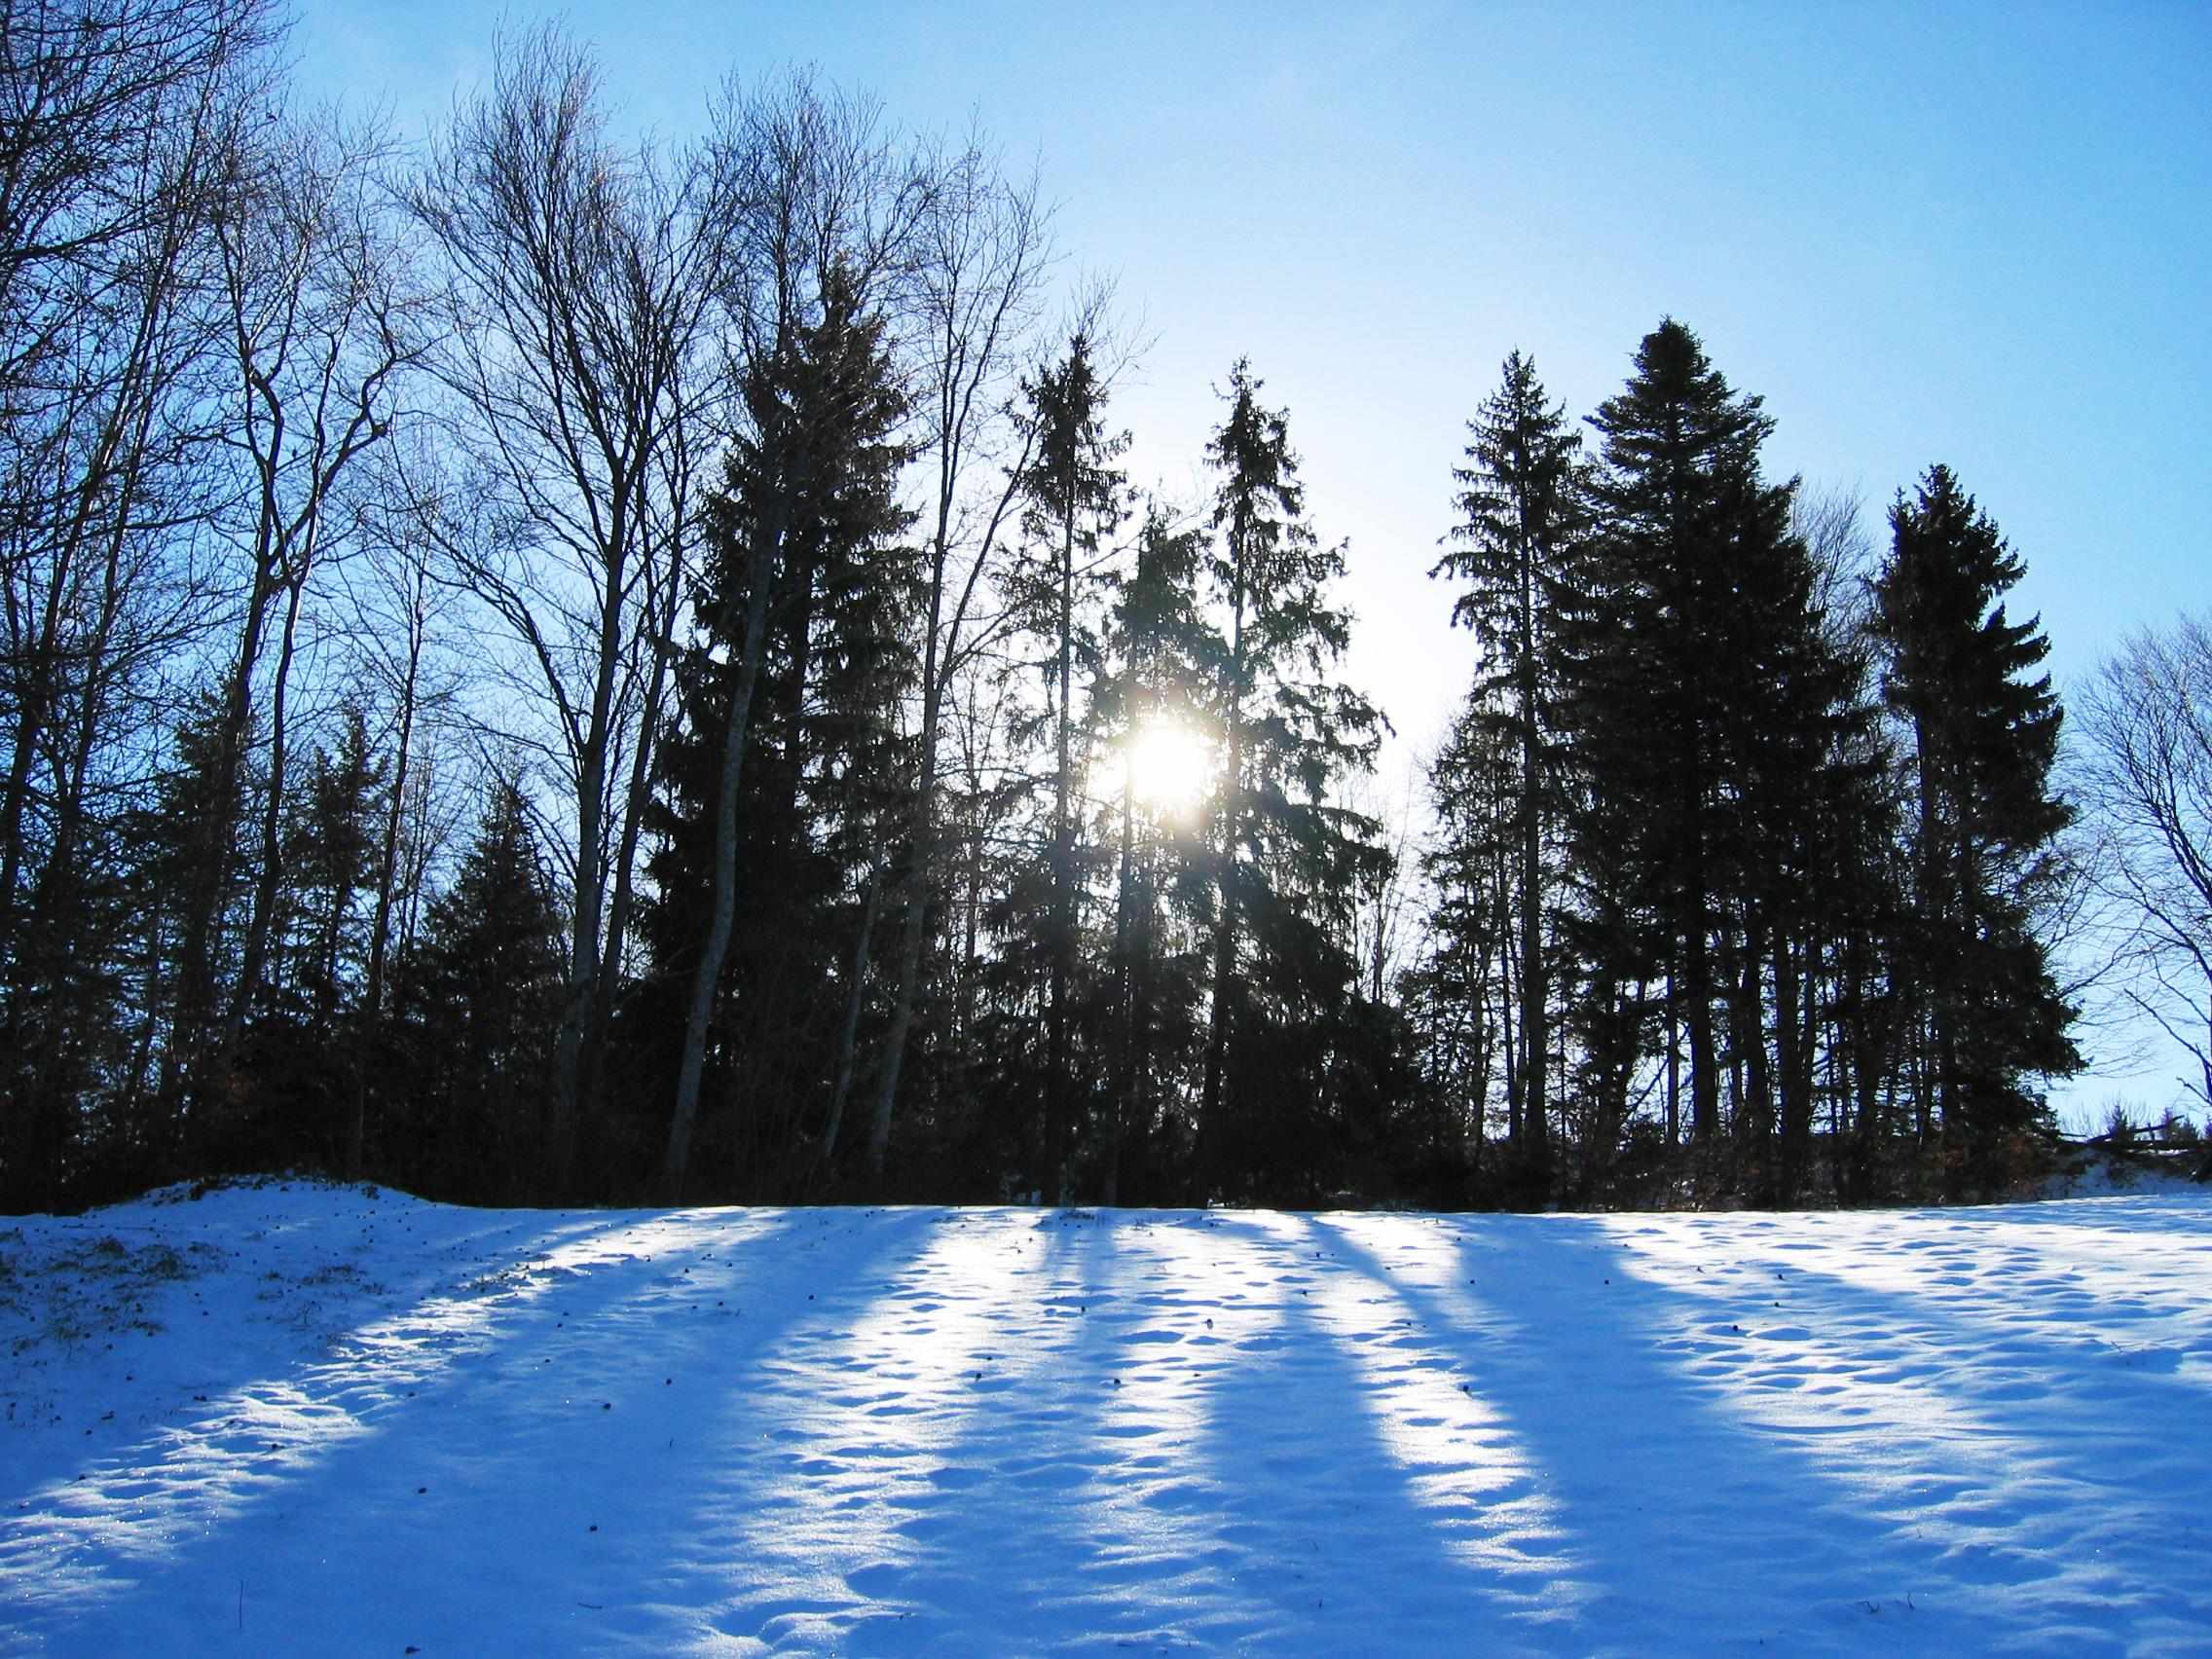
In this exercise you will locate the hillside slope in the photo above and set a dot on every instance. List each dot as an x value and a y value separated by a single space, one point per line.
302 1419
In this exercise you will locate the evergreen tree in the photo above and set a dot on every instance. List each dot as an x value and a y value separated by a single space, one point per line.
1072 496
1164 659
1523 513
1680 646
194 864
787 751
292 1095
479 1002
1983 736
1471 871
335 840
1798 767
77 1016
1290 860
1860 897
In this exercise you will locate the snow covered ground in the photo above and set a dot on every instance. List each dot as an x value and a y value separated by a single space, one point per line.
307 1420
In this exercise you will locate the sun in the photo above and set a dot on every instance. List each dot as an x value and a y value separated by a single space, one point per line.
1169 765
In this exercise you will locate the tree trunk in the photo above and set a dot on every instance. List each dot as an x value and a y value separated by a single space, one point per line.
581 1010
592 1094
1063 882
1225 919
1705 1074
262 918
1534 993
387 867
707 977
848 1035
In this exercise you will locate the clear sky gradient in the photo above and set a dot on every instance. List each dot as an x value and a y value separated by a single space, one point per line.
1980 234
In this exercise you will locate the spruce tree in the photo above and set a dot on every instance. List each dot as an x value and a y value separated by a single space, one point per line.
1071 493
1680 651
292 1092
1522 514
479 1002
787 750
1162 662
1467 975
1983 736
334 844
1796 765
194 868
1290 860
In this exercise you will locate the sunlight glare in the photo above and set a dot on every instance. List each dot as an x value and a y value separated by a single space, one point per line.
1169 766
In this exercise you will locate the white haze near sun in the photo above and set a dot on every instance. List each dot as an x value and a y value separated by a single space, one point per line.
1170 765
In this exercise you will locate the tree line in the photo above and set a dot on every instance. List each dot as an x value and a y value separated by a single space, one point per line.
1747 849
548 666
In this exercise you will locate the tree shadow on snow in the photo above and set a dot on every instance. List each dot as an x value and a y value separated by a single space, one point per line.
461 1468
1674 1522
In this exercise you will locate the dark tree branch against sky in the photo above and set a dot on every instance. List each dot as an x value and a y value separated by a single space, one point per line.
1029 774
1965 236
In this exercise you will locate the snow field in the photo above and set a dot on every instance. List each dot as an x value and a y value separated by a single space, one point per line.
300 1419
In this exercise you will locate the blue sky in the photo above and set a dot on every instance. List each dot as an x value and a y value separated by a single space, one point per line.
1979 237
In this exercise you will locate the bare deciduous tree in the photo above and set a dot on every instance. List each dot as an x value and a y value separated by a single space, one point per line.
2147 720
321 319
982 258
112 119
583 277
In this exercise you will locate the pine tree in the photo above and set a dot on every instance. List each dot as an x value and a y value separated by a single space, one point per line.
75 1014
1860 901
478 1004
787 751
335 840
1072 495
1290 860
1522 515
293 1091
1798 767
1163 660
1472 870
1983 737
195 865
1680 648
